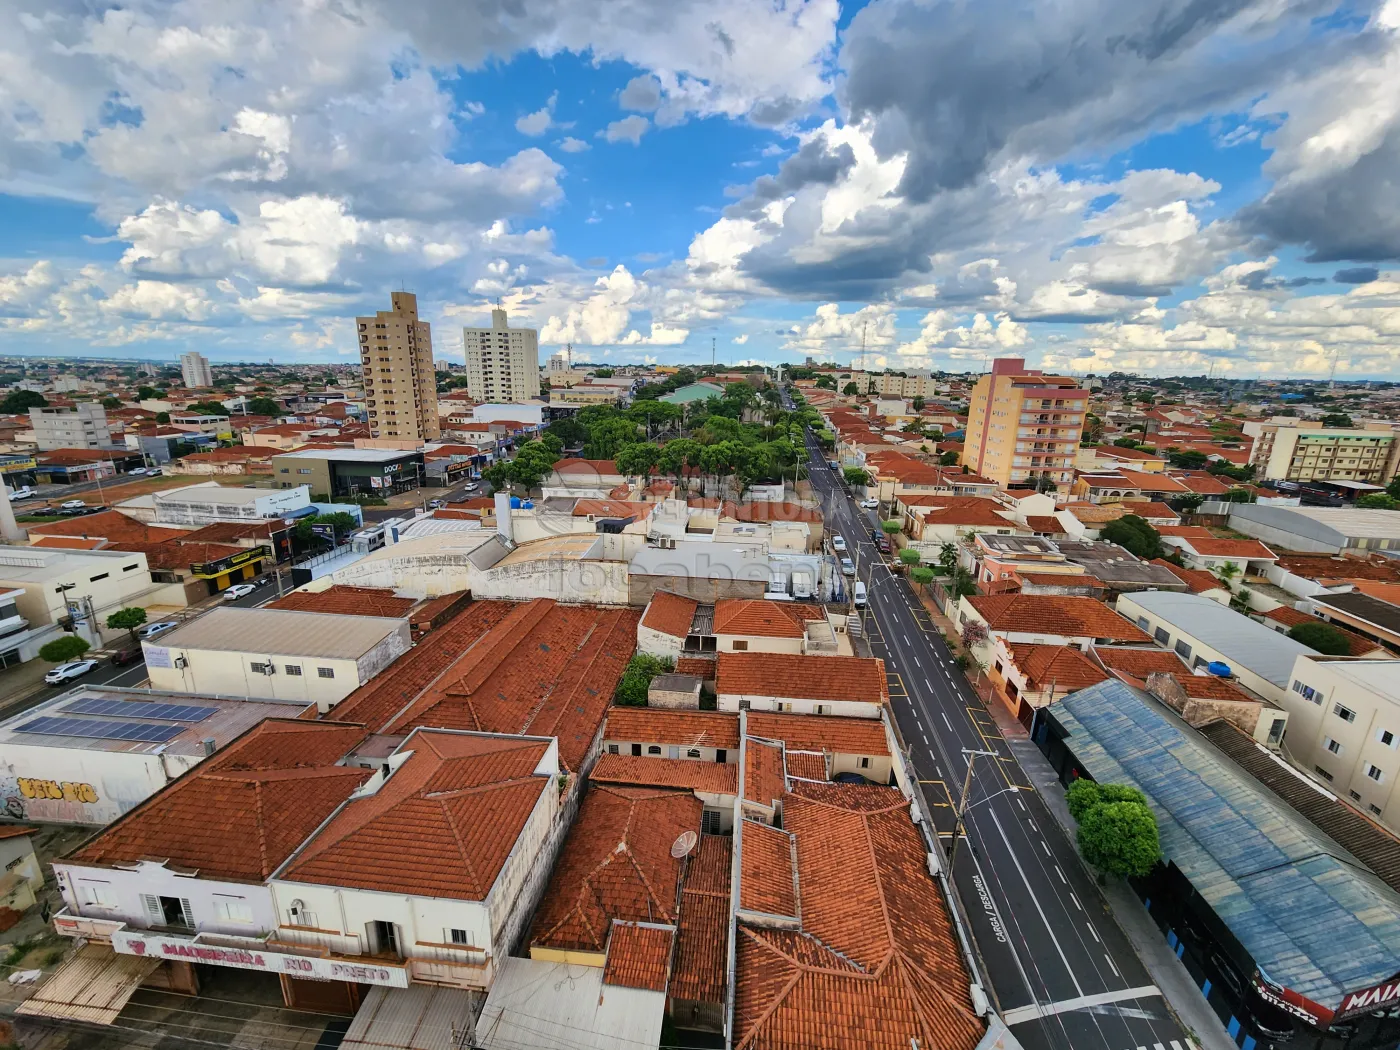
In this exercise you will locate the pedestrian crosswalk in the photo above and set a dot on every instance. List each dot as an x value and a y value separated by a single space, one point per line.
1175 1044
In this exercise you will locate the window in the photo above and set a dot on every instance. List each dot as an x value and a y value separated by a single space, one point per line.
721 755
1162 635
232 909
294 670
1355 796
864 762
257 668
823 709
693 752
612 749
303 470
96 894
325 672
458 937
1322 773
739 647
1331 745
1375 773
1374 809
1183 650
99 576
1386 737
710 821
1346 714
1142 622
654 749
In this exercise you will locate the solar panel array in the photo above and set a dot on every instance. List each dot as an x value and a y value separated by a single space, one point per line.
94 705
144 732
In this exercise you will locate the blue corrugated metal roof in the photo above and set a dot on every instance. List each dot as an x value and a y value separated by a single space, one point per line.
1313 919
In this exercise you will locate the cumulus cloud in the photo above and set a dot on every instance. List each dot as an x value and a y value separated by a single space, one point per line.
541 120
569 144
628 129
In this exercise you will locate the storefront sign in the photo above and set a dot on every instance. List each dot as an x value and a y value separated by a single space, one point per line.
207 569
1290 1002
186 949
1354 1004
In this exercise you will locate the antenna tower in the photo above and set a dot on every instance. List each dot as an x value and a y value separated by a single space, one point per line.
712 351
864 325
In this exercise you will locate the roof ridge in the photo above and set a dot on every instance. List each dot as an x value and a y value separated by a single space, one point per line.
777 1000
457 838
261 827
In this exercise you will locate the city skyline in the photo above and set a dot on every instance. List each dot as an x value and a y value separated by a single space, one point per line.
911 177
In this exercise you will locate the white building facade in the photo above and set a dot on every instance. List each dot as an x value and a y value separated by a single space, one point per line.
503 363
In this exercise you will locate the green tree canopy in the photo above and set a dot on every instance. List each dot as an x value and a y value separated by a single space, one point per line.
892 526
921 574
1135 535
207 408
1126 442
17 401
570 432
918 404
636 680
148 393
162 417
69 647
1336 419
850 389
909 556
127 619
265 406
1378 501
1326 639
1393 489
1120 838
111 402
637 459
1084 794
855 476
948 459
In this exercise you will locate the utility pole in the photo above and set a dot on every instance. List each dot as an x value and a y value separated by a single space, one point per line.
863 327
972 757
712 351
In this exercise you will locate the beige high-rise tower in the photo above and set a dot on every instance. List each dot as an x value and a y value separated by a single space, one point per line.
1023 427
396 360
503 363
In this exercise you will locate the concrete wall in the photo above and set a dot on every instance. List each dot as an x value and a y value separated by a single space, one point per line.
69 785
799 706
230 673
17 854
563 578
654 643
83 887
706 590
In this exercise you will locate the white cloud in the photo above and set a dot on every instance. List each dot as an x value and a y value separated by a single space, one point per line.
740 339
569 144
537 123
628 129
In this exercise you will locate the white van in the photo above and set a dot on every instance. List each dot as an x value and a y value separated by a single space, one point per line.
858 595
801 585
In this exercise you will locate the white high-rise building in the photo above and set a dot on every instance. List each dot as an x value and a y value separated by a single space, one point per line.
503 363
194 369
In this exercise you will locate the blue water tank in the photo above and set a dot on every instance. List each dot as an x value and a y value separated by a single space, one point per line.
515 503
1219 668
528 504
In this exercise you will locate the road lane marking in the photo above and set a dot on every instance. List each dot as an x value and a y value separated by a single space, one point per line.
1030 1013
1046 849
1114 969
1076 900
1094 932
947 723
1035 899
1061 874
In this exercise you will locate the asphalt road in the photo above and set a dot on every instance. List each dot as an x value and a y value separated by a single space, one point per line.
1062 973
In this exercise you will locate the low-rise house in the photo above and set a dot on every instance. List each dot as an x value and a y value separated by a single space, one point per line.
1026 677
1042 620
821 748
1197 581
1122 483
1119 570
1284 618
932 521
276 654
1365 614
999 561
1200 549
847 686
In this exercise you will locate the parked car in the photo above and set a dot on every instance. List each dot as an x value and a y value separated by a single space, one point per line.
239 590
69 671
78 511
858 595
838 543
159 627
23 492
436 504
870 504
882 544
848 567
70 504
137 470
122 657
153 472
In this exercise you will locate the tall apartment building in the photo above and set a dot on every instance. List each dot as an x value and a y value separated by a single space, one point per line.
1289 449
1023 425
503 363
194 369
82 426
396 361
888 384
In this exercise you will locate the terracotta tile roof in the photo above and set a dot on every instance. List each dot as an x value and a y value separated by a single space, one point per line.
72 543
349 601
1230 548
774 511
699 666
112 524
844 736
241 813
379 701
1044 523
1152 509
1060 579
1063 666
718 778
13 831
1067 616
639 955
807 765
758 618
169 554
654 725
767 877
1200 482
613 508
1313 567
444 822
1139 662
968 510
802 677
1289 617
702 939
670 614
1357 645
764 779
582 467
876 963
615 864
1198 581
229 531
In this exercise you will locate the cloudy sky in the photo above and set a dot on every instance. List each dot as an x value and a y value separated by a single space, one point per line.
1167 186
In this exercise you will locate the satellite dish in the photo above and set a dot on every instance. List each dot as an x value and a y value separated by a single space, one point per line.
685 842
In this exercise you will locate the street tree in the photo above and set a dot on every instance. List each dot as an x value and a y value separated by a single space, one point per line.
908 556
637 460
1120 839
891 527
850 389
127 619
1326 639
61 650
1135 535
921 574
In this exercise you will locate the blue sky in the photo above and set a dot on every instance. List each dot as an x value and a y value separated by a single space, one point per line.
1091 186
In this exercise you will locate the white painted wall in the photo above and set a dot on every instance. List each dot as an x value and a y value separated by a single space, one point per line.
118 781
655 643
799 706
17 854
115 893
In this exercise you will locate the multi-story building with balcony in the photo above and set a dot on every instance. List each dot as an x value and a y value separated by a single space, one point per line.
396 362
1292 450
1024 427
503 363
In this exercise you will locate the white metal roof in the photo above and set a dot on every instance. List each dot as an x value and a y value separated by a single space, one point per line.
352 455
281 632
566 1006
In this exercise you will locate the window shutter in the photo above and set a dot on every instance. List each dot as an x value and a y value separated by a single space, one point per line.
152 906
187 912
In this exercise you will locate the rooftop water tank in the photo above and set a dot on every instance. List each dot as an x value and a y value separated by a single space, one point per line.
1219 668
528 504
515 503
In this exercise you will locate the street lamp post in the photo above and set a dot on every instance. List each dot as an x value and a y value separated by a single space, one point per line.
963 807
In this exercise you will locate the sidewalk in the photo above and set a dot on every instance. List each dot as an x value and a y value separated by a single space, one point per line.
1166 970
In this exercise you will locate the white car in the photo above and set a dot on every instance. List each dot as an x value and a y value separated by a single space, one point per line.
73 504
238 590
67 672
138 470
848 567
870 504
24 492
838 543
153 629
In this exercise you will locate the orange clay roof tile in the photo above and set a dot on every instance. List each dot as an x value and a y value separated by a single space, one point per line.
444 822
684 728
1065 615
639 955
876 963
716 778
348 601
238 815
802 677
846 736
615 864
764 780
670 614
1062 666
757 618
702 939
807 765
767 879
1198 581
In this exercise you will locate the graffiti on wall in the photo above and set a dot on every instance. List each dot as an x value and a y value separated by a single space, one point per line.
36 798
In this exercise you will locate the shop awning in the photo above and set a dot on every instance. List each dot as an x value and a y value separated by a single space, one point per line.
94 985
419 1017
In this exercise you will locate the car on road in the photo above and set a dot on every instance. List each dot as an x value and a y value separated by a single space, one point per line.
70 504
137 470
23 492
848 567
838 542
122 657
870 504
154 472
159 627
882 544
69 671
471 486
239 590
436 504
74 512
